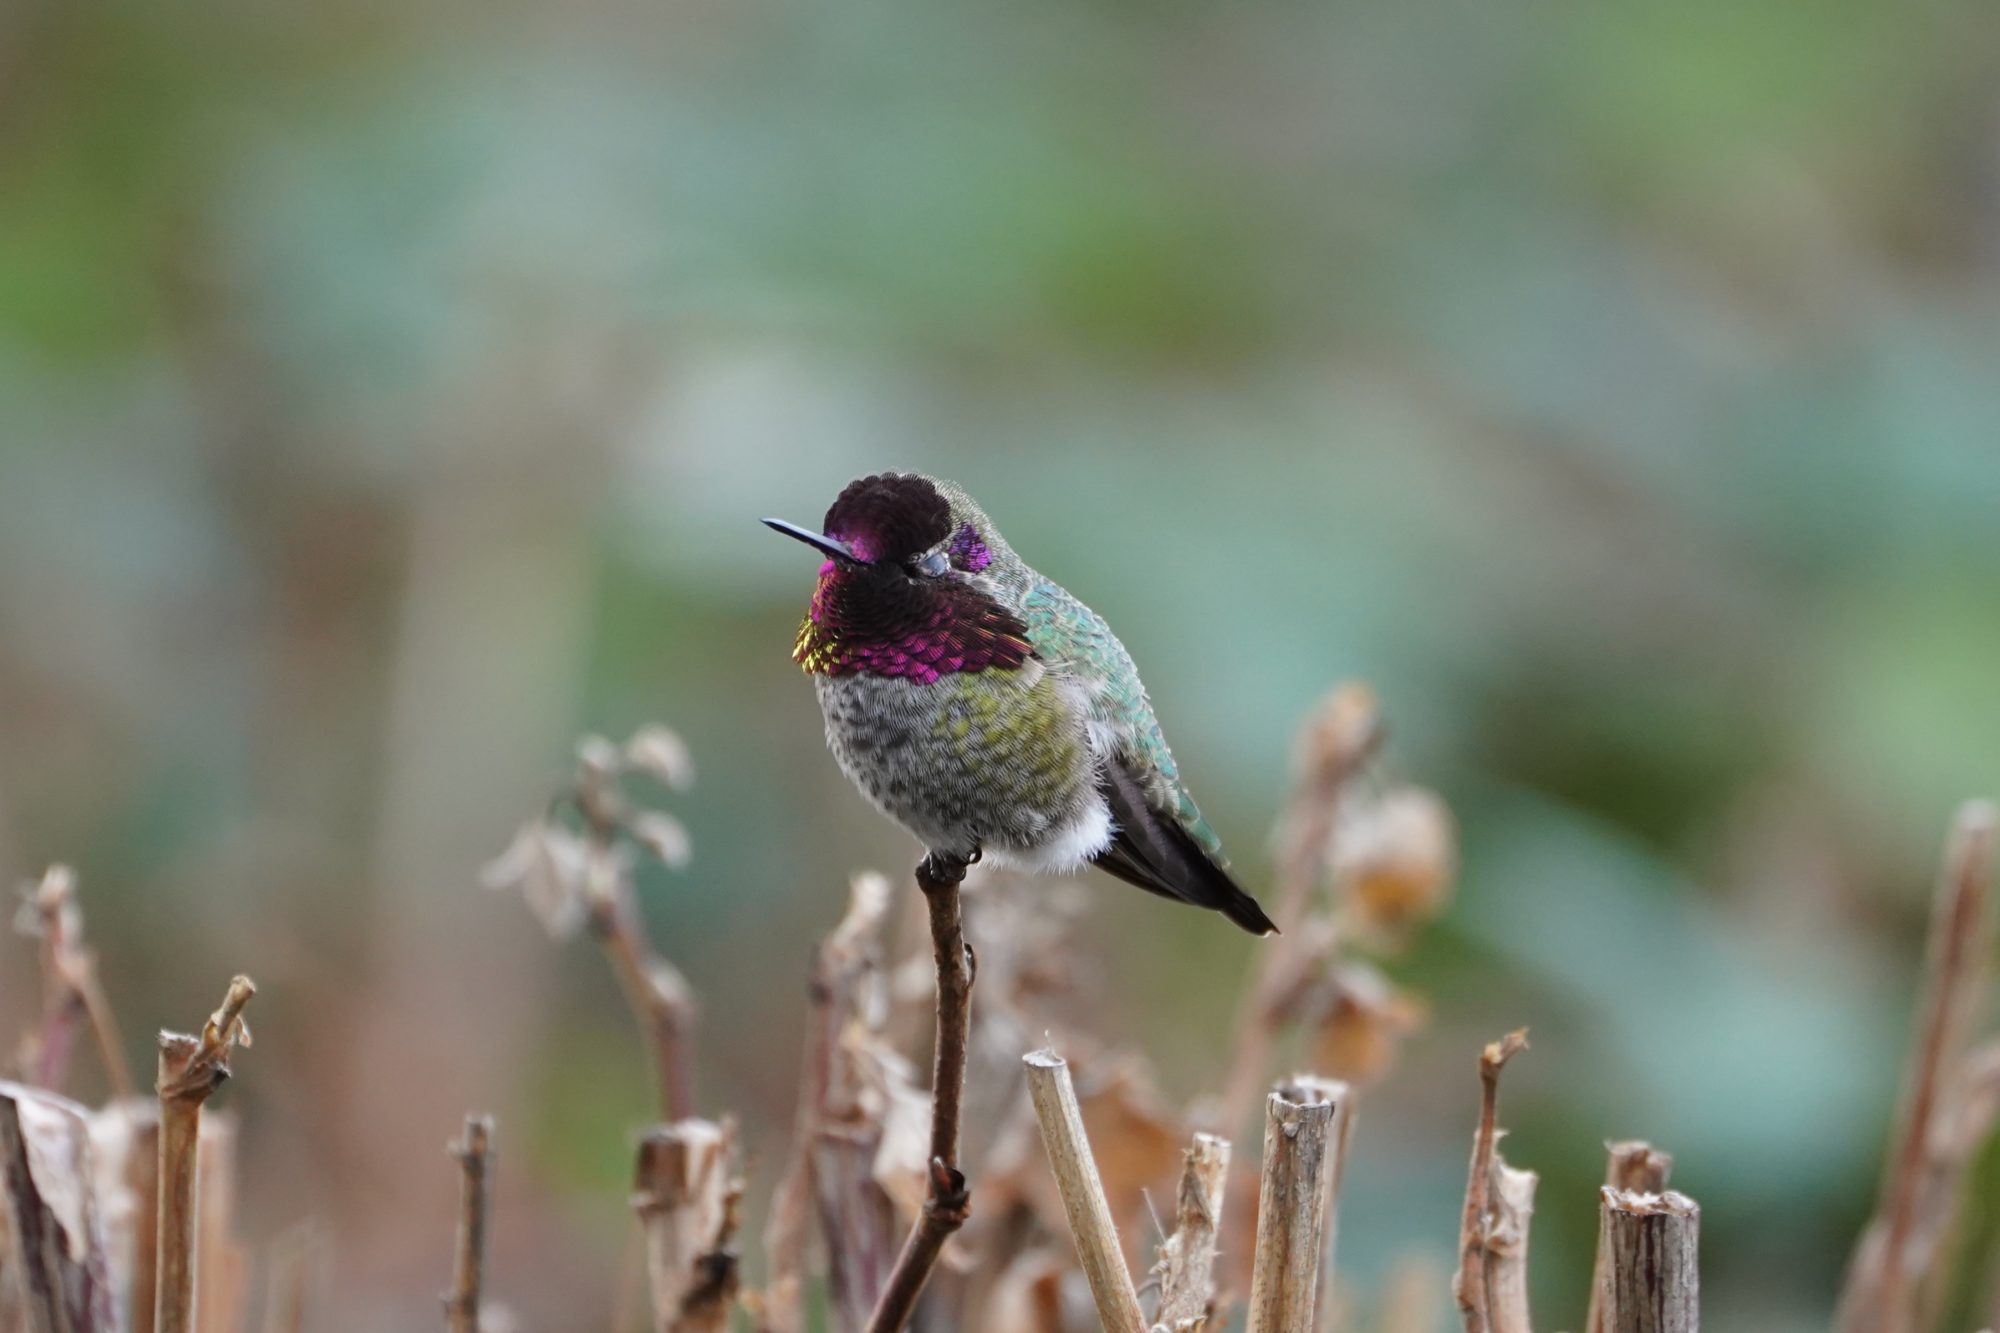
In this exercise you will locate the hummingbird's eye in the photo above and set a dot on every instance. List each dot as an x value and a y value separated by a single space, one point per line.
932 563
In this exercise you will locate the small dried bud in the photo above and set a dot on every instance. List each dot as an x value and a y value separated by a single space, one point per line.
48 905
598 759
1362 1030
662 835
662 755
549 867
1396 859
1341 733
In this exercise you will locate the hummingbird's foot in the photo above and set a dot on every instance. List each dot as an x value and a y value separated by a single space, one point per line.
941 868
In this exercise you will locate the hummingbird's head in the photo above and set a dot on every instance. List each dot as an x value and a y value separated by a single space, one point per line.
900 520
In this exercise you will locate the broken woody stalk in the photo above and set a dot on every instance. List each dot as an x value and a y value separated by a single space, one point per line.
191 1069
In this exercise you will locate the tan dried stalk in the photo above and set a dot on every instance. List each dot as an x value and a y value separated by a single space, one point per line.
1651 1281
474 1154
1877 1297
1300 1161
948 1201
1637 1166
222 1262
1471 1286
1186 1267
191 1069
1082 1190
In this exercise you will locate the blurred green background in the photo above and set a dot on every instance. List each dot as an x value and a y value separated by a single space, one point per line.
389 392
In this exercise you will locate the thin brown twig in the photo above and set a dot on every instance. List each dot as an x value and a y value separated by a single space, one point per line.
949 1202
1082 1191
1877 1299
474 1154
191 1069
1335 744
1470 1286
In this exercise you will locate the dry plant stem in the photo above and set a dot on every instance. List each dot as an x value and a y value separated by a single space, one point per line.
474 1152
1634 1165
660 997
1651 1281
1303 834
1953 973
840 963
1877 1298
69 975
295 1259
1187 1258
1090 1225
1299 1159
949 1203
1470 1286
191 1069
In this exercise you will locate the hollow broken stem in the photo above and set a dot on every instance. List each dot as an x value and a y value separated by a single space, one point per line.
1639 1167
1651 1281
190 1070
1300 1148
948 1202
1082 1190
474 1155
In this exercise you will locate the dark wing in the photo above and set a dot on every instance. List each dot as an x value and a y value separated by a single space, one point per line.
1156 853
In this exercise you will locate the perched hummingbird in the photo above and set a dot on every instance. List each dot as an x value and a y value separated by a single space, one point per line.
985 709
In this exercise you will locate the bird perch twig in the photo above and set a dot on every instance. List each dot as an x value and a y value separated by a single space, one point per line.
474 1153
1472 1284
1651 1281
1300 1151
1082 1190
949 1202
1186 1267
191 1069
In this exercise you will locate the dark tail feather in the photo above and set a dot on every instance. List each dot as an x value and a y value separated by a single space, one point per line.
1155 853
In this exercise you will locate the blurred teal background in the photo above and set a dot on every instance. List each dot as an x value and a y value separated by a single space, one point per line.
389 392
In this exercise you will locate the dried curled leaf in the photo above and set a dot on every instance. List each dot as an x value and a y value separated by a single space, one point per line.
662 835
662 755
46 1190
1363 1021
549 866
1395 860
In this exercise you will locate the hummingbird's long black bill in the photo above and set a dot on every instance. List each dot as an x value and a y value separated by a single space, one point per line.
838 550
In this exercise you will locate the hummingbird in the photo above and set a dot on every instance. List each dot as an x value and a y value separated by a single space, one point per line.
988 711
